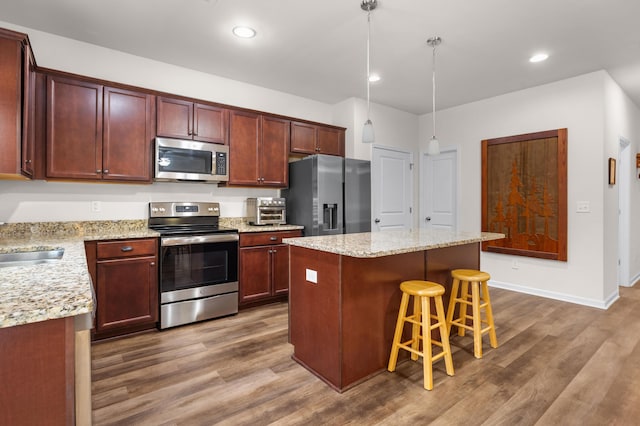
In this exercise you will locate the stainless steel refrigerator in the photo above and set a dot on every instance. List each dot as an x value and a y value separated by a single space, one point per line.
329 195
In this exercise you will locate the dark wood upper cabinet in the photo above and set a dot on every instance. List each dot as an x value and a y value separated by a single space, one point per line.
274 151
309 138
330 141
17 105
74 129
98 133
178 118
258 150
128 135
303 138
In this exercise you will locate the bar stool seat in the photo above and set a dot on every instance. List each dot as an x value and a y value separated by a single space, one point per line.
478 299
422 293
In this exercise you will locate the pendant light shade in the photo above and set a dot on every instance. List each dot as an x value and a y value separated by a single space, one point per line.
433 148
368 135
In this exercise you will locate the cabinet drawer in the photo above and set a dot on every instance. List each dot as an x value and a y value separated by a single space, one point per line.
266 238
126 248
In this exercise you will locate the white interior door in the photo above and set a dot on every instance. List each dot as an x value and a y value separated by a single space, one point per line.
391 189
438 190
624 221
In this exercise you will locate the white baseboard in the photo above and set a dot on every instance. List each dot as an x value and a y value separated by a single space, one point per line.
633 280
601 304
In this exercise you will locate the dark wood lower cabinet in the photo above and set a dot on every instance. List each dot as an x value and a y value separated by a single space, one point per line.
264 267
125 275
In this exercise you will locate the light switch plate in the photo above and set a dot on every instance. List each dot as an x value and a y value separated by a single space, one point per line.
312 276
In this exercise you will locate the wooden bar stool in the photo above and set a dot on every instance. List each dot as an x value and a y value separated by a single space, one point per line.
478 299
422 292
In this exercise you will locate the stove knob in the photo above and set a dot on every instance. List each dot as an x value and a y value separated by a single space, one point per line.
154 209
210 209
162 209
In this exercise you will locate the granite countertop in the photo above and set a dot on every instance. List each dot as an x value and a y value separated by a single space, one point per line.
242 226
386 243
267 228
60 288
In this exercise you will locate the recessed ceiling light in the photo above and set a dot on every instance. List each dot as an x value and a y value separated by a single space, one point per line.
539 57
244 32
374 77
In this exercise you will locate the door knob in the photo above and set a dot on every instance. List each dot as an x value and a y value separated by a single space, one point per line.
377 220
427 219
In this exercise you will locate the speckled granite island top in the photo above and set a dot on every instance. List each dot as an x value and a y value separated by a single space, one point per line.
61 288
387 243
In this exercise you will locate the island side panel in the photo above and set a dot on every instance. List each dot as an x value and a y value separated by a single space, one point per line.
314 321
37 373
441 261
370 302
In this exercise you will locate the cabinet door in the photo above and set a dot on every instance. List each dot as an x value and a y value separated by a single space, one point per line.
10 104
175 118
274 152
128 135
330 141
255 274
210 123
280 268
303 138
127 293
28 113
244 137
74 129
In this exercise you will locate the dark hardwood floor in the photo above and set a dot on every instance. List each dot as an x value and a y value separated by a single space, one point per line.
557 364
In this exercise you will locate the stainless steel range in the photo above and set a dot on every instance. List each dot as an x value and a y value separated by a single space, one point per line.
198 267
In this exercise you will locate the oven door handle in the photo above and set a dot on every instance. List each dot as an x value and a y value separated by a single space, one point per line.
198 239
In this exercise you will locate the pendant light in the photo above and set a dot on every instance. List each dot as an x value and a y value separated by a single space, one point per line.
433 148
367 130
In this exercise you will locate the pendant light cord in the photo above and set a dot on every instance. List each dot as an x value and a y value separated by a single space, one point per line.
368 63
434 91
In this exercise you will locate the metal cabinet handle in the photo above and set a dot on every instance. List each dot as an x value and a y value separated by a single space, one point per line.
27 161
126 248
99 171
273 238
153 264
106 171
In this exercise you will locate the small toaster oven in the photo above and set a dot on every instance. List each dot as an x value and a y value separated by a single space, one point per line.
266 211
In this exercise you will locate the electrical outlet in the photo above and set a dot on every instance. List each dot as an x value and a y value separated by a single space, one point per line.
96 206
312 276
583 207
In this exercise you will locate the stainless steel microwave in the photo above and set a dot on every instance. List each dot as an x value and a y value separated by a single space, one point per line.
184 160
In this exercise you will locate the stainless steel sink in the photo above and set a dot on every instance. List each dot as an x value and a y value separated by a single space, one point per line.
34 257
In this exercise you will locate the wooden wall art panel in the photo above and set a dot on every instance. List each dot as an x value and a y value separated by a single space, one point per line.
524 194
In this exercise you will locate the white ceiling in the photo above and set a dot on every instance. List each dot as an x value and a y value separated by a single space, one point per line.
316 49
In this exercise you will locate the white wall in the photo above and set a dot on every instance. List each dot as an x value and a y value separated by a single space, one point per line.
577 104
622 120
64 54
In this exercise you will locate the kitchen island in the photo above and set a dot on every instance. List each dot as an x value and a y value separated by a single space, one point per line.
344 293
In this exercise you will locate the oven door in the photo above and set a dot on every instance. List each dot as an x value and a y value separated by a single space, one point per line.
198 266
